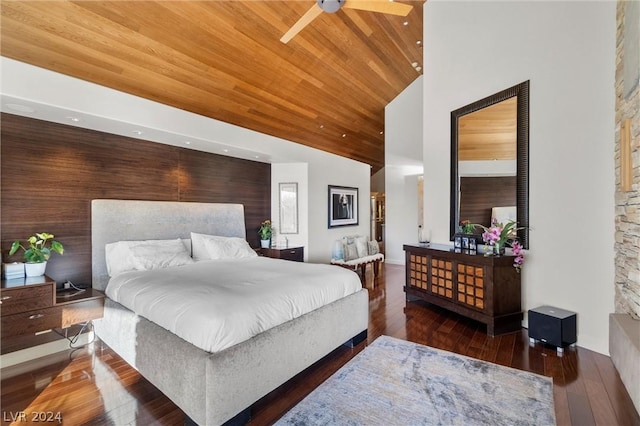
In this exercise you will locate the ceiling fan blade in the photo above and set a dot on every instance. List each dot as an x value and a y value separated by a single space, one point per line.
311 14
381 6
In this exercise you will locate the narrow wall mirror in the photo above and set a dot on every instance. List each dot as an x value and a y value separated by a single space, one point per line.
490 161
289 208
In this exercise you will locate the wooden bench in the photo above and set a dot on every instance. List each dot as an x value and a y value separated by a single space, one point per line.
361 263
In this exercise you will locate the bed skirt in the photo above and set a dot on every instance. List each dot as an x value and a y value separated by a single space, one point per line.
213 388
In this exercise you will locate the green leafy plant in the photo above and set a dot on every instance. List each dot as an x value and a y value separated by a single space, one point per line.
265 231
40 247
467 226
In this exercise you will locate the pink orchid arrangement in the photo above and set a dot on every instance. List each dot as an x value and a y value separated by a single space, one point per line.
517 251
498 235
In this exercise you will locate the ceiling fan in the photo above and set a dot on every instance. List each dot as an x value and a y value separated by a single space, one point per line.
332 6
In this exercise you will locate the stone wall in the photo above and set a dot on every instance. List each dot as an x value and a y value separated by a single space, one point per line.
627 241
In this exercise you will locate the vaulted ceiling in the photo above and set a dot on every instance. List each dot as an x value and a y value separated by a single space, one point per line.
326 88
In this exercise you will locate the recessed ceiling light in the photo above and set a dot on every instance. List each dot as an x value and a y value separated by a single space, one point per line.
187 142
20 108
419 42
74 119
225 150
414 64
381 132
418 69
322 126
405 23
137 132
257 156
344 135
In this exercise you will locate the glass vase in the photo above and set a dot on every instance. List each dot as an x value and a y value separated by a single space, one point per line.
498 248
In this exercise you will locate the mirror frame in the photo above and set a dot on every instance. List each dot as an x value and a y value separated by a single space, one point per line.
522 156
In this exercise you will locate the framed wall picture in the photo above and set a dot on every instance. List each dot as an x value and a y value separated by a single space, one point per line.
343 206
288 208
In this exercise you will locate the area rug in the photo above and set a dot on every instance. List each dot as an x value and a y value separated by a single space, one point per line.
395 382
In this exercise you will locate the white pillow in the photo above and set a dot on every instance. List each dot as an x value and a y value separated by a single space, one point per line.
350 252
211 247
118 258
373 247
145 255
504 214
156 254
361 246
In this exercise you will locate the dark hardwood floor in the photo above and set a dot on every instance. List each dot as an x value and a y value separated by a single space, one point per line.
94 386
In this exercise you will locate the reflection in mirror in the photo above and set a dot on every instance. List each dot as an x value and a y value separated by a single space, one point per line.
489 160
487 164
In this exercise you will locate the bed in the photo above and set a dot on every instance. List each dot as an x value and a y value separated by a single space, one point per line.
212 387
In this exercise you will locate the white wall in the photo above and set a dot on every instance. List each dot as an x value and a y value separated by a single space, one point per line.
567 51
285 173
401 221
313 180
403 165
487 168
377 181
56 97
321 175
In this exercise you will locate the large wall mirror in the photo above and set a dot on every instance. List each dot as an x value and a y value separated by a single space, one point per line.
490 161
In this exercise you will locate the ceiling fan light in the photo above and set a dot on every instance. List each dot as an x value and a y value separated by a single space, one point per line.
330 6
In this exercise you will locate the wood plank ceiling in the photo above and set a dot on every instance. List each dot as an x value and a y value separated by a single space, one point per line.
327 88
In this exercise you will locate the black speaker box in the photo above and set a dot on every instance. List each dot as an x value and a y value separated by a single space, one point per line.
554 326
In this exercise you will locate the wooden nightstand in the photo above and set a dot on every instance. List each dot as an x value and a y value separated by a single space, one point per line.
30 305
293 253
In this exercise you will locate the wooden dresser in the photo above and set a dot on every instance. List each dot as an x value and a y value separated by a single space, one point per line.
29 305
484 288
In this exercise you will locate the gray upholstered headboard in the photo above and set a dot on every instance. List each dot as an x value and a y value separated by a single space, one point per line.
127 220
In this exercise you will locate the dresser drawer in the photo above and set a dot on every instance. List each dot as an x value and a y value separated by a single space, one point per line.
24 299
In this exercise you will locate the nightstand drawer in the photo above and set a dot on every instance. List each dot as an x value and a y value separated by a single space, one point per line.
22 299
30 322
78 312
61 316
296 254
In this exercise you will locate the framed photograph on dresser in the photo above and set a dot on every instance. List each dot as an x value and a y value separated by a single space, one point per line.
343 206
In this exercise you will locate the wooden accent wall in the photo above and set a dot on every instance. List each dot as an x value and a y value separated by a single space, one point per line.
479 194
50 173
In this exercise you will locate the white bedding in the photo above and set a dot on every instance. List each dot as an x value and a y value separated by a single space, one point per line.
216 304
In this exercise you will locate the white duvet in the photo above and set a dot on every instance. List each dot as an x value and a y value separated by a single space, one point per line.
216 304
